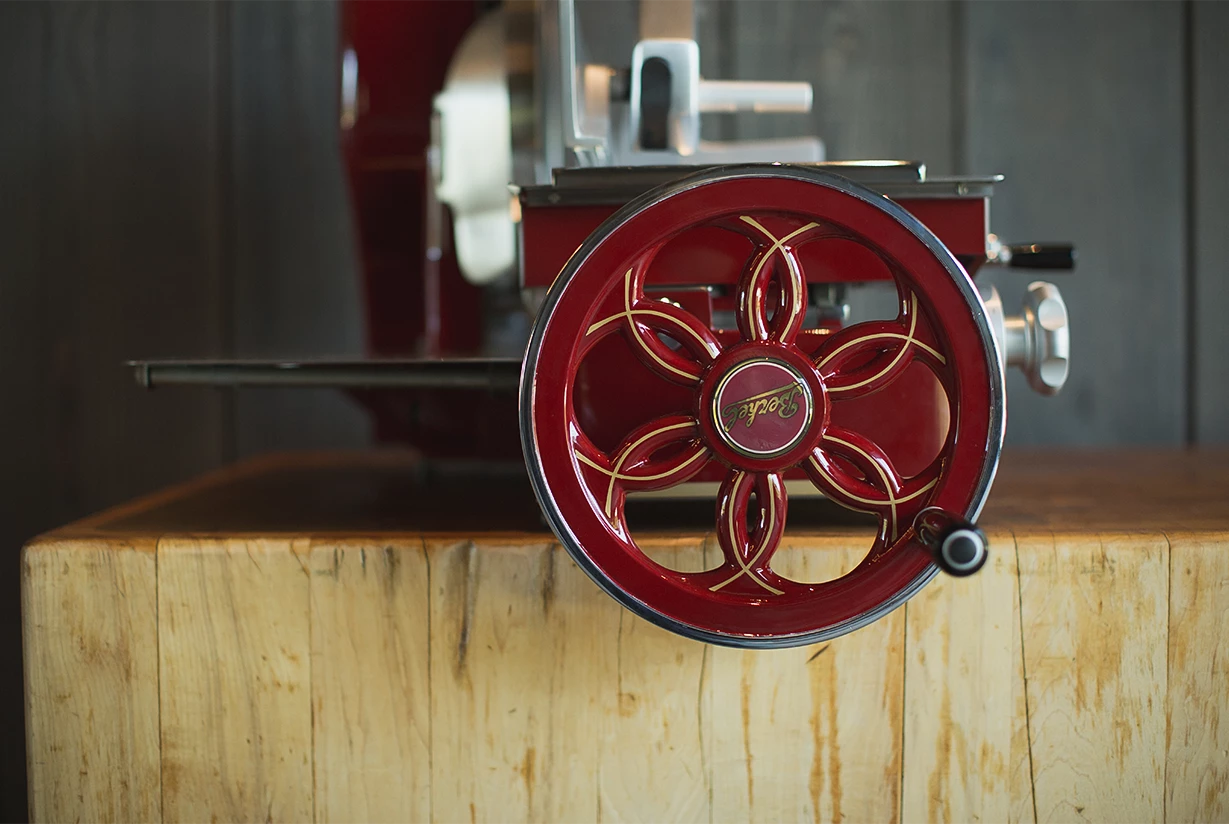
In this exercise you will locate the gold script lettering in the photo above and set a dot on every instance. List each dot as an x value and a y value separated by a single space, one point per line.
782 401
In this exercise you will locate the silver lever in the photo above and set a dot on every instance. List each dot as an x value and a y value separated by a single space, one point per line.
754 96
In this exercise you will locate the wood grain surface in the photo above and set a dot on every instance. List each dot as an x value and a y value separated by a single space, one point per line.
520 662
235 679
801 734
1022 800
370 654
1196 777
654 739
960 682
91 640
235 674
387 492
1094 621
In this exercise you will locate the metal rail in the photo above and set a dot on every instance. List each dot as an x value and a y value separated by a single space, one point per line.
501 374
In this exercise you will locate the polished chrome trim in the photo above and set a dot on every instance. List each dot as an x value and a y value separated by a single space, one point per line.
647 177
994 443
619 184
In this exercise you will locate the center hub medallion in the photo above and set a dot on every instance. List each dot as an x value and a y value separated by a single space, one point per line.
762 408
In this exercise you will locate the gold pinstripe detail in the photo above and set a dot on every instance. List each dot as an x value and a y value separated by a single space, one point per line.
628 312
777 244
623 455
909 340
745 568
892 501
700 451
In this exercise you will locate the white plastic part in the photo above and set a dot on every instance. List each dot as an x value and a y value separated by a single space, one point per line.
473 154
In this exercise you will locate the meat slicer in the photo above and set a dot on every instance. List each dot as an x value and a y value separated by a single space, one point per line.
696 318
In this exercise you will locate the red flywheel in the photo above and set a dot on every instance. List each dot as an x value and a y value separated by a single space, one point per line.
760 406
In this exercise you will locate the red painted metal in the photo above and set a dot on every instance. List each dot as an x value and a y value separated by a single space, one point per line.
638 387
608 297
707 256
762 407
403 50
415 303
962 223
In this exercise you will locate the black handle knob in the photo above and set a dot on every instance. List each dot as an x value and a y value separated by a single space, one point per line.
1042 256
958 546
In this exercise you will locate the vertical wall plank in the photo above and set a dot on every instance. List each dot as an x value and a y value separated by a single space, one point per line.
882 72
1197 764
235 680
91 664
370 691
1094 618
1080 106
802 734
295 289
25 359
958 693
654 742
1210 99
28 488
522 659
130 199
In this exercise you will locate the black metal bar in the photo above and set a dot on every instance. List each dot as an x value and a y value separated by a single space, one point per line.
495 374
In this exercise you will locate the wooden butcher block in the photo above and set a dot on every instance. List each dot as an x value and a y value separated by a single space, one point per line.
351 637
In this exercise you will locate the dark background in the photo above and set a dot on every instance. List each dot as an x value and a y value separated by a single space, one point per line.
170 184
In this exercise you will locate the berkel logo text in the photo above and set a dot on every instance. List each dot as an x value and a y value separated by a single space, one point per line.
782 402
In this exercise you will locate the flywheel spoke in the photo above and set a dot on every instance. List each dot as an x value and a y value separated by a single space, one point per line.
748 551
661 454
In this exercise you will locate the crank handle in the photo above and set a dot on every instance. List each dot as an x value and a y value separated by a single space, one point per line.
959 548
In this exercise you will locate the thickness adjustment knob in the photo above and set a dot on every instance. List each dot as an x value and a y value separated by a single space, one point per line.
959 548
1038 340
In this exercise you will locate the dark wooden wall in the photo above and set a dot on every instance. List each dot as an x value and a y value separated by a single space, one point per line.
169 184
1108 119
1207 207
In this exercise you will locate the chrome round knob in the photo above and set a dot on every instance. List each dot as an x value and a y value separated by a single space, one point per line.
1038 340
